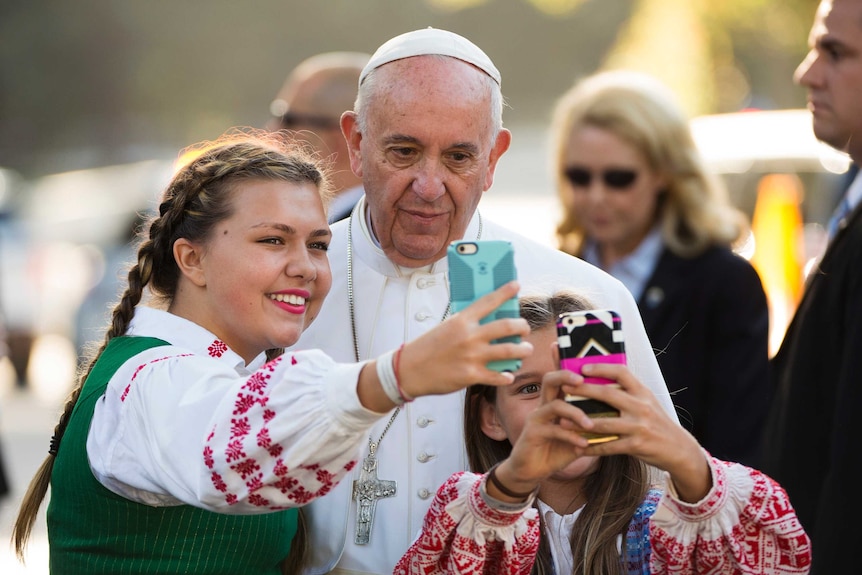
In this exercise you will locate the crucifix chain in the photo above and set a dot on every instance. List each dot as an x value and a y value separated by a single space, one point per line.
368 489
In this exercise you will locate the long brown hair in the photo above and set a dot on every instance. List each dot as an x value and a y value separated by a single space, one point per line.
613 493
197 198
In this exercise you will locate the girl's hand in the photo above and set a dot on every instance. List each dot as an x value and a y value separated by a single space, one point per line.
645 431
455 354
550 439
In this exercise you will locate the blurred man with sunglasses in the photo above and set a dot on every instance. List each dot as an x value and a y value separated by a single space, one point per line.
813 441
310 104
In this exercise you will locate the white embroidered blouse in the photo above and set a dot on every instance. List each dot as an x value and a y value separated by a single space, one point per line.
191 423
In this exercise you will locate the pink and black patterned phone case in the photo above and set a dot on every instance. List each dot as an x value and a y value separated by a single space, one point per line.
591 336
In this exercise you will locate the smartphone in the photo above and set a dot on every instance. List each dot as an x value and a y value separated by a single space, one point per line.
591 336
477 268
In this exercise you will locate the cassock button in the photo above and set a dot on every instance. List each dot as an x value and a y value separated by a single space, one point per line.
423 422
422 316
424 457
423 493
423 283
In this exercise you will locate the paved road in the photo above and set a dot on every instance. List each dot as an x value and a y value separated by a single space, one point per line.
26 423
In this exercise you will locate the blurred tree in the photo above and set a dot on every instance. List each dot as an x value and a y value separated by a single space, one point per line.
666 38
93 82
718 56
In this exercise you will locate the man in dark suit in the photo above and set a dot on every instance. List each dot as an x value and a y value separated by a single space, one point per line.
813 440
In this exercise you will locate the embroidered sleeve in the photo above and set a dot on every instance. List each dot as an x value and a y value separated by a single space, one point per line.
744 525
193 431
463 534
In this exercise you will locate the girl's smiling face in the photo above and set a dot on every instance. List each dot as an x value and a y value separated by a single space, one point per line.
261 276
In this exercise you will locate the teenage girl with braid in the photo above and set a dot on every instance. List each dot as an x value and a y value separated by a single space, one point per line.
190 439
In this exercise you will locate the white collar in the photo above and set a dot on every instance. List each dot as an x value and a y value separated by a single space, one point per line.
635 269
180 332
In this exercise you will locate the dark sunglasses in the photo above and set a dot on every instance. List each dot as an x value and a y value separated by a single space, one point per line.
291 120
618 179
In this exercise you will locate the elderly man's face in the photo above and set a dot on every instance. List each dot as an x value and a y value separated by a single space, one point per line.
427 154
832 72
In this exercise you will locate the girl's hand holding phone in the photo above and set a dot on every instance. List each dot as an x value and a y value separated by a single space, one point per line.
644 430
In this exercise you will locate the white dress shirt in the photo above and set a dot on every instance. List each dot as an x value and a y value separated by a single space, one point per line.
425 444
634 270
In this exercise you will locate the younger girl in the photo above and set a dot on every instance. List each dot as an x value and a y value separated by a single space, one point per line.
596 509
186 447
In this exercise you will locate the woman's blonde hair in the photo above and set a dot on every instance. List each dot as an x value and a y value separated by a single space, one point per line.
198 197
694 211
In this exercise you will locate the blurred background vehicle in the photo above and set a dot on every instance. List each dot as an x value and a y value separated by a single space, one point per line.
788 183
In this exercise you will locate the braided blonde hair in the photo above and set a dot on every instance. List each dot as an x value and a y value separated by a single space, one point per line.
197 198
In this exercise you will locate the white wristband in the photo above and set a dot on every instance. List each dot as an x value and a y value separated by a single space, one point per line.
388 380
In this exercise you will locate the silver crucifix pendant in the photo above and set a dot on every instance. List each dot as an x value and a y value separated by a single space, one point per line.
366 491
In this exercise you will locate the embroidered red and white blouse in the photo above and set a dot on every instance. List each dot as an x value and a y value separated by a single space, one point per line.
191 423
745 524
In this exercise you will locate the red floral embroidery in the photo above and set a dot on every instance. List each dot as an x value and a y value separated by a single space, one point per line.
246 468
258 500
271 365
440 549
244 403
293 360
286 484
301 496
325 477
218 482
260 465
280 469
234 451
255 483
263 439
257 383
217 348
208 457
239 427
125 392
275 450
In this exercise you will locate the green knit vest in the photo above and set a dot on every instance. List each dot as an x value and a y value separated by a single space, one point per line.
91 530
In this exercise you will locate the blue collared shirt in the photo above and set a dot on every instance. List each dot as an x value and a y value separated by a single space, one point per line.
634 270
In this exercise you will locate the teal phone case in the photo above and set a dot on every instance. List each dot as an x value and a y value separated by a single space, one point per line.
477 268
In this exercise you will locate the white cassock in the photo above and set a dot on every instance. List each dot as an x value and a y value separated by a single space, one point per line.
425 443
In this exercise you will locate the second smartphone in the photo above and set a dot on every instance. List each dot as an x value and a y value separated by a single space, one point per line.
591 336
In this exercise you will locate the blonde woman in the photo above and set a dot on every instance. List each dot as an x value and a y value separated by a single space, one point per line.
638 202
